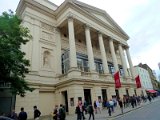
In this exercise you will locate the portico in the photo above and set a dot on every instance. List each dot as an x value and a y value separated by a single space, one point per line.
83 47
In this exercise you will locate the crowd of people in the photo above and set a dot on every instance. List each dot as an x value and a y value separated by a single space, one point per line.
110 105
23 115
82 108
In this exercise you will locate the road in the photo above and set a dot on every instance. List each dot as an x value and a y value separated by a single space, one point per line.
148 112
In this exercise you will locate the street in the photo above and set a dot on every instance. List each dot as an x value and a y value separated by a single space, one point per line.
148 112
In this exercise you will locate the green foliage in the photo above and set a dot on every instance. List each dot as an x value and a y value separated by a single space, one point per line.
13 65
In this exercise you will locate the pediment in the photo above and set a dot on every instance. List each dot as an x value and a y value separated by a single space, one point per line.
101 15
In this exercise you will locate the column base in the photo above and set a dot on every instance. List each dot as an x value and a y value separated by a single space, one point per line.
122 92
73 72
105 77
110 92
131 91
94 75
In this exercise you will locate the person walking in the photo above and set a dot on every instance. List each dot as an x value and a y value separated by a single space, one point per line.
79 111
55 113
111 105
37 113
120 105
91 111
108 107
149 98
95 107
98 106
62 113
13 115
22 114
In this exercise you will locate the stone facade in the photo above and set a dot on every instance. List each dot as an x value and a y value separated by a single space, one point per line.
67 41
144 78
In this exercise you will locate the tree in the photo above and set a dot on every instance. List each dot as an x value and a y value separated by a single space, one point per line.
13 65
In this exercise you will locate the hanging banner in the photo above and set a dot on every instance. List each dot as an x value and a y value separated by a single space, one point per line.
117 80
138 82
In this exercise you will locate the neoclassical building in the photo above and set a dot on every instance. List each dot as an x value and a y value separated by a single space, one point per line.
144 77
75 50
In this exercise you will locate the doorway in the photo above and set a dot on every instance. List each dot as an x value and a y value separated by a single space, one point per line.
65 96
127 92
117 93
87 96
104 94
135 92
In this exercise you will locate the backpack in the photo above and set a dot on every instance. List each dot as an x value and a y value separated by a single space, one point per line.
62 113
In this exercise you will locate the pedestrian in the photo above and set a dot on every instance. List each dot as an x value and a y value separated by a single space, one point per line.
85 106
111 105
124 101
120 105
91 111
149 98
98 106
62 113
95 107
132 101
37 113
79 111
13 115
22 114
108 107
55 113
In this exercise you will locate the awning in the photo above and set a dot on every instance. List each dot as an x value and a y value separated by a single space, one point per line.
151 91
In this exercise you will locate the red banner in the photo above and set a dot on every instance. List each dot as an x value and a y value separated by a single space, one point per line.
138 82
117 80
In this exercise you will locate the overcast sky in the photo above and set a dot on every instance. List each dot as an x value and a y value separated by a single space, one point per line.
140 19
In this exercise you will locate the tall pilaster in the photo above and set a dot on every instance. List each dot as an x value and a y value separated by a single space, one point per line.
35 49
89 49
130 63
103 53
115 63
123 60
72 46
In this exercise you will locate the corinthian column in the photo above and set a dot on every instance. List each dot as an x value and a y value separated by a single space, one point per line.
124 64
103 54
115 63
89 49
72 46
130 63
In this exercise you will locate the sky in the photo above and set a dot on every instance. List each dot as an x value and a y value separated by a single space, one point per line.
140 19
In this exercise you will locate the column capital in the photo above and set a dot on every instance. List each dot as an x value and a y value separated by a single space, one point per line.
70 17
57 29
126 47
87 26
99 33
110 38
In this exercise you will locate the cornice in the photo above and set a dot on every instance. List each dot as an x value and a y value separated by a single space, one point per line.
90 16
35 6
100 12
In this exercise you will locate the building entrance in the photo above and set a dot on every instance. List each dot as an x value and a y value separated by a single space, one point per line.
65 98
117 93
104 94
127 92
135 92
87 96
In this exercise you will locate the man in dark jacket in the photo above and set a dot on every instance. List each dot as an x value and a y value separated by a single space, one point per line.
22 115
91 111
121 105
62 113
37 113
79 111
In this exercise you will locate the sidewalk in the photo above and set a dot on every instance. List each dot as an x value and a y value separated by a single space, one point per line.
104 113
